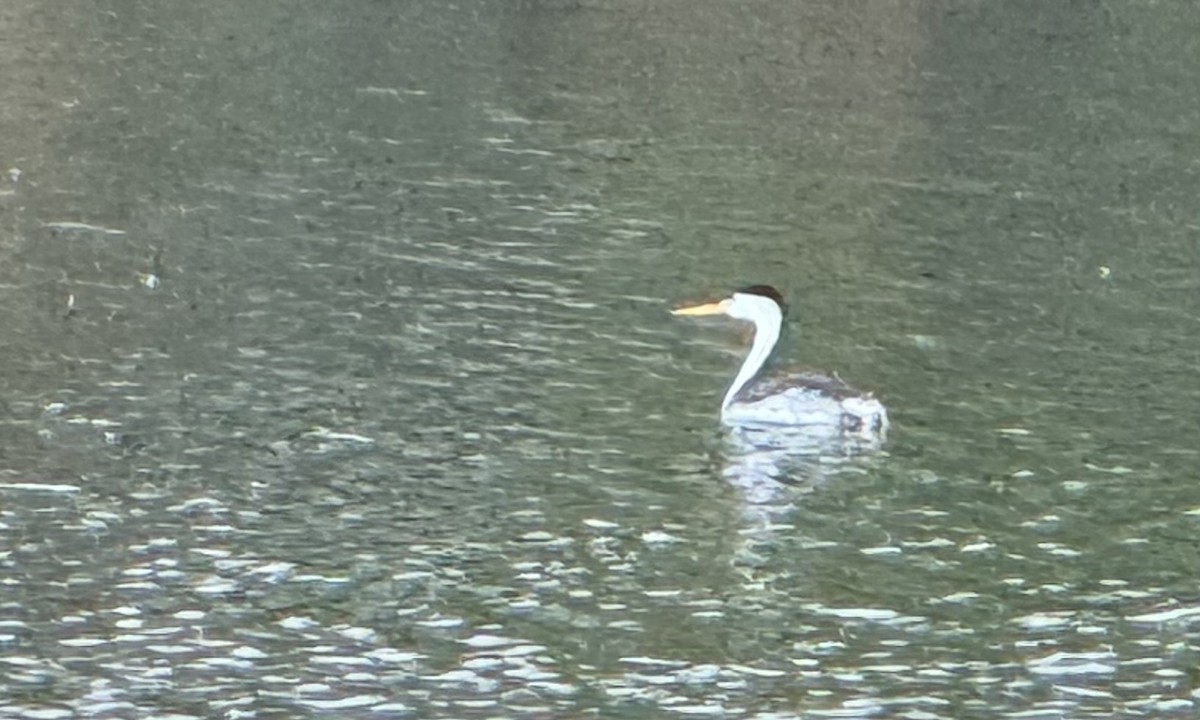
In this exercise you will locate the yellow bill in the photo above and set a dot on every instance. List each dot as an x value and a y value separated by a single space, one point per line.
712 308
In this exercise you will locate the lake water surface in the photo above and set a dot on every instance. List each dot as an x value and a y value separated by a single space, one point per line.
339 380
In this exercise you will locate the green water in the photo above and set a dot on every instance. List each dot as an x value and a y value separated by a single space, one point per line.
339 379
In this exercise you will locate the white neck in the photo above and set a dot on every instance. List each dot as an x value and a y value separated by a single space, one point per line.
768 321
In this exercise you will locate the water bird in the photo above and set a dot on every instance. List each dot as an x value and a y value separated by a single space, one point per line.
806 399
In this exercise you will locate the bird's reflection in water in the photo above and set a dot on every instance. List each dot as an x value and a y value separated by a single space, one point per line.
771 465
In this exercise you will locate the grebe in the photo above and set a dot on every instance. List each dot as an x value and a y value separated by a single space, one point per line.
806 398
